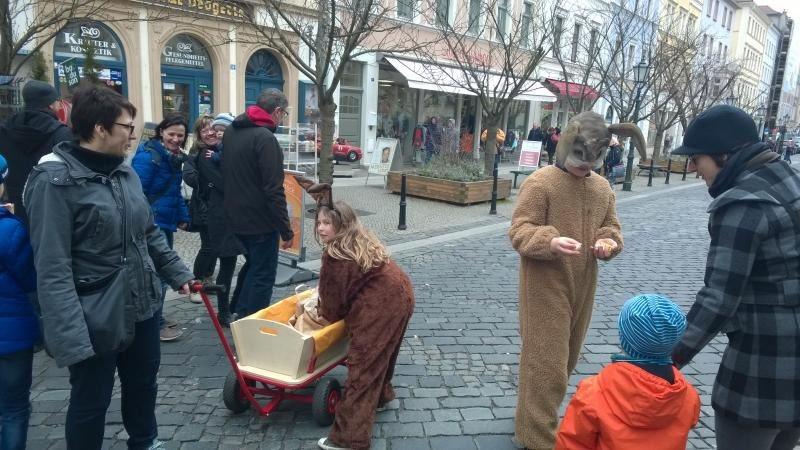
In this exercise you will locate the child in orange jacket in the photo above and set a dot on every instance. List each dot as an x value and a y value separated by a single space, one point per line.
640 401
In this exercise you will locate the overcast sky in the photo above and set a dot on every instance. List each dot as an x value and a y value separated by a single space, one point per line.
792 7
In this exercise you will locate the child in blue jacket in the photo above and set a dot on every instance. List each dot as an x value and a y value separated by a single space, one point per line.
19 327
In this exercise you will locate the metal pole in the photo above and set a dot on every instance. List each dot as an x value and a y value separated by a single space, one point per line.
493 209
650 176
626 185
402 224
669 170
685 169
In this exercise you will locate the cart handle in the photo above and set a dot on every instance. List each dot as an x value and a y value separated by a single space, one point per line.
197 286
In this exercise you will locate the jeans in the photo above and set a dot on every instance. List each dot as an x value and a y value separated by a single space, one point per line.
734 436
206 259
92 381
170 237
262 258
239 283
15 392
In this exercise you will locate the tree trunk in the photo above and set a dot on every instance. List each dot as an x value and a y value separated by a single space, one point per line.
657 145
6 39
327 112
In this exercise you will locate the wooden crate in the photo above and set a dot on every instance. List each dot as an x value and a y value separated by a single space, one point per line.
458 192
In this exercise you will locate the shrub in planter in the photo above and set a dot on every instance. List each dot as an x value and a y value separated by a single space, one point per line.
453 168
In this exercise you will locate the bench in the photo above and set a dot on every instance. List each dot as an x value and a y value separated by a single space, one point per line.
646 168
523 172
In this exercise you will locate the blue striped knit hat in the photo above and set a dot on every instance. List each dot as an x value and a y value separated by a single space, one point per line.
649 327
3 169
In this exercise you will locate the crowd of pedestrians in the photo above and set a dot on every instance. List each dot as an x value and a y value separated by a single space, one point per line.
86 259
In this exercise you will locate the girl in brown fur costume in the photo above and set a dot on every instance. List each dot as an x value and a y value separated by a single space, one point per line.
564 221
360 284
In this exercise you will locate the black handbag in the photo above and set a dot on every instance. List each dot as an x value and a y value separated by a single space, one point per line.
108 311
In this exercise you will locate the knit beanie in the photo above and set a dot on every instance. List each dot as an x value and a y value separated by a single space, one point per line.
38 94
649 327
3 169
224 119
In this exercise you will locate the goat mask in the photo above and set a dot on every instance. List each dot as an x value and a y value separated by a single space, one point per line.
586 139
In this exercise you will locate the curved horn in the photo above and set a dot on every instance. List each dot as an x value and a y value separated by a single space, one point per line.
320 192
632 131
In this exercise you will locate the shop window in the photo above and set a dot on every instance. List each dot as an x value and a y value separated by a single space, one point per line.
349 104
474 16
405 9
352 74
442 12
527 24
263 65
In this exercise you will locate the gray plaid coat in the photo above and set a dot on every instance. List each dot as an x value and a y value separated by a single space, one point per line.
752 293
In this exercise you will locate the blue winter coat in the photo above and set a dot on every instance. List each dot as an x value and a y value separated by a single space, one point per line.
154 165
19 327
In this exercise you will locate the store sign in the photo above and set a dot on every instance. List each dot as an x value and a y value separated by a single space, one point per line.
75 38
216 8
71 73
185 52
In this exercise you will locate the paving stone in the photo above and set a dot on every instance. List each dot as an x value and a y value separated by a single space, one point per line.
452 443
442 428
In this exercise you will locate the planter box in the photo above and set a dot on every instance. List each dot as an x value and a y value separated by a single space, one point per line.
459 192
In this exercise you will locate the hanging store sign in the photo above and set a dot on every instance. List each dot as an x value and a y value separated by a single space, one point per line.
73 40
186 52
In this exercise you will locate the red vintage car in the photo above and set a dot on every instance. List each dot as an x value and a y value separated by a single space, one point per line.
342 151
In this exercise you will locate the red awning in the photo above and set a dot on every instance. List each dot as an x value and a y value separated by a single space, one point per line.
573 90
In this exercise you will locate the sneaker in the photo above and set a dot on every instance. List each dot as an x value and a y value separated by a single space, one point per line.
170 323
157 445
388 406
326 444
194 297
170 334
224 319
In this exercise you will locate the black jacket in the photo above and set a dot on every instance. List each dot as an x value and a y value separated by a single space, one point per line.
204 175
24 139
536 134
253 177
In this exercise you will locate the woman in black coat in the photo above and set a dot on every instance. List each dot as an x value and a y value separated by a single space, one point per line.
203 173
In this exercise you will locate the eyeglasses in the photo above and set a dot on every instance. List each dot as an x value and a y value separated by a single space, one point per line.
129 126
284 113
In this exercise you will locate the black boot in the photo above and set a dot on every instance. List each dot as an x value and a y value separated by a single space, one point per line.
224 317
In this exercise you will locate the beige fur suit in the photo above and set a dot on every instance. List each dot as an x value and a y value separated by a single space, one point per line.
557 291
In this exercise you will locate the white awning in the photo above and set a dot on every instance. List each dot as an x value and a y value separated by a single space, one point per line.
451 80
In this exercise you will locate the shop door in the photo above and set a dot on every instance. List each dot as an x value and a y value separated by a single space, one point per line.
350 116
254 86
188 96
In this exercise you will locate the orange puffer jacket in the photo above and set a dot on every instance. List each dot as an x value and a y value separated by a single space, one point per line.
625 407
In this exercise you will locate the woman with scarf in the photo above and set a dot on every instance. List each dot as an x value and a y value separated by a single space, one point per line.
159 163
752 282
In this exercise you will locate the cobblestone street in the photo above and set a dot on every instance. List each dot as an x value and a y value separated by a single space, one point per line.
457 373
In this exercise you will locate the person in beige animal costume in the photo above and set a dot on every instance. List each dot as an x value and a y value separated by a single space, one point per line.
564 221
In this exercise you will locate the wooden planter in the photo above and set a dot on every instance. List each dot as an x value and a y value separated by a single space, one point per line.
458 192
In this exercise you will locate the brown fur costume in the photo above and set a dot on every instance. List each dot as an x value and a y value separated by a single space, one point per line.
376 306
557 291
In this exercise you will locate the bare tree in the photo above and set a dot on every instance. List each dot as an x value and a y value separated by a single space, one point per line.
495 54
319 38
29 25
586 60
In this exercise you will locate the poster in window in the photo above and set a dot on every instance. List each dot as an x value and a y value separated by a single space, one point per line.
311 104
295 206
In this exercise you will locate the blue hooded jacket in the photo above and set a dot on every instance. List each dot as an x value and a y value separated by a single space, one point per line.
153 164
19 326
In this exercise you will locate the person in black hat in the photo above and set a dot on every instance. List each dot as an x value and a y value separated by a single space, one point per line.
752 282
29 135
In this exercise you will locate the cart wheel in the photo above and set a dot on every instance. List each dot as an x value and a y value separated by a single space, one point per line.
326 396
232 395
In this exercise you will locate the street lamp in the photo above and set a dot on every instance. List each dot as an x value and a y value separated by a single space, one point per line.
639 76
760 113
